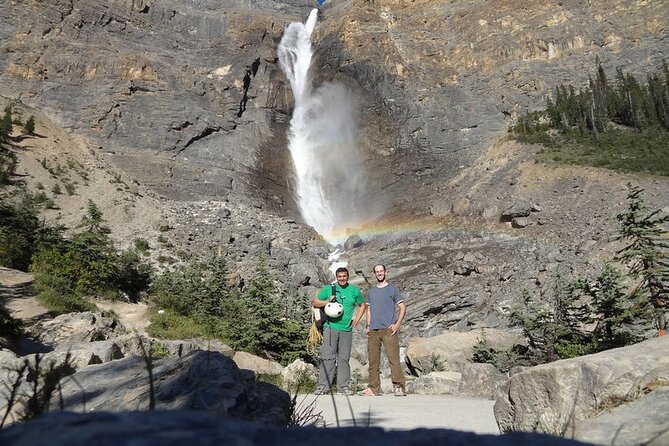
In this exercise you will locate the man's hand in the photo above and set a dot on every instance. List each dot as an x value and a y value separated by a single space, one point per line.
367 330
394 328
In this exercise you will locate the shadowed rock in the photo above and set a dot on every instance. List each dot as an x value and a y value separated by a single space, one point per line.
203 429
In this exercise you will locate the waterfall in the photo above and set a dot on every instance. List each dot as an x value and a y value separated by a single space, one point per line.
323 140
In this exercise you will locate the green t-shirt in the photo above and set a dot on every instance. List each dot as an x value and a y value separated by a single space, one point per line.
348 297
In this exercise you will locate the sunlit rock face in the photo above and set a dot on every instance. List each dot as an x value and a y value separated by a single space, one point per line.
190 99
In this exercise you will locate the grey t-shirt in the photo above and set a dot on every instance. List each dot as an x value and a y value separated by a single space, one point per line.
383 303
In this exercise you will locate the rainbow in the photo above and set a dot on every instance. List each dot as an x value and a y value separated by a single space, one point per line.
401 226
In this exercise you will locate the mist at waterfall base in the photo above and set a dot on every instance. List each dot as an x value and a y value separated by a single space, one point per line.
323 141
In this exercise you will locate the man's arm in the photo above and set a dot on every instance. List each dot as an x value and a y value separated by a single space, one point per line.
368 317
317 302
400 317
362 309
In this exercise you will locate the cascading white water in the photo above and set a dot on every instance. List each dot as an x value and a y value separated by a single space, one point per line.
323 140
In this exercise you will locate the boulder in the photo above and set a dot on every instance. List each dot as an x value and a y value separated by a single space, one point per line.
481 381
436 383
200 380
461 207
180 348
518 209
644 421
296 371
354 241
520 222
552 397
257 364
68 329
452 350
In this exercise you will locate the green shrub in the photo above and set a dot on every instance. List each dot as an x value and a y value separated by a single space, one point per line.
70 188
646 253
87 264
141 245
30 125
254 320
62 303
171 325
274 379
435 363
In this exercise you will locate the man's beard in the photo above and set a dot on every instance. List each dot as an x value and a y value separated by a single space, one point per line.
381 280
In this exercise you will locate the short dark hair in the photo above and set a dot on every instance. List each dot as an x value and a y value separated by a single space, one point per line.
341 270
379 264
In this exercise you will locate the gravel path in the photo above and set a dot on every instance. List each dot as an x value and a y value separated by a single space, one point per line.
403 413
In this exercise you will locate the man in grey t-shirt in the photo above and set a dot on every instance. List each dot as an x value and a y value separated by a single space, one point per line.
385 312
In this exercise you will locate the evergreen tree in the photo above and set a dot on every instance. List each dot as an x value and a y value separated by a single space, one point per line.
30 125
19 228
609 308
646 253
261 326
6 124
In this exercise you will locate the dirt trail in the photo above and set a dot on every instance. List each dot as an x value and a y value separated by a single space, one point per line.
18 297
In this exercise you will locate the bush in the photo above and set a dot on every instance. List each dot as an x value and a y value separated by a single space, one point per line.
171 325
87 265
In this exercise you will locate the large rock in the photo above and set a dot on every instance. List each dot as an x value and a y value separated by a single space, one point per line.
436 383
481 380
644 421
248 361
453 350
180 348
72 328
553 397
198 381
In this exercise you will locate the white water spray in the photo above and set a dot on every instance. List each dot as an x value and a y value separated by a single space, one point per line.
323 140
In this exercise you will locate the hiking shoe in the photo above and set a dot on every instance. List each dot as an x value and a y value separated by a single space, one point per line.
321 391
399 391
346 391
367 392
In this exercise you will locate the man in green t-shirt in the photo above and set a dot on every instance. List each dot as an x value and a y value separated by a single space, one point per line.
338 334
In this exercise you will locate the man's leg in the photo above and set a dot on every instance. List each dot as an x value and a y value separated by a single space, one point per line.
328 358
374 359
343 355
391 345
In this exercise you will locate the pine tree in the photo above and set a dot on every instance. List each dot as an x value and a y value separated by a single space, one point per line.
261 326
609 308
30 125
6 124
646 253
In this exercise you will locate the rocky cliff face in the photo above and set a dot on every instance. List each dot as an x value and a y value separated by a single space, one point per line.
188 100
